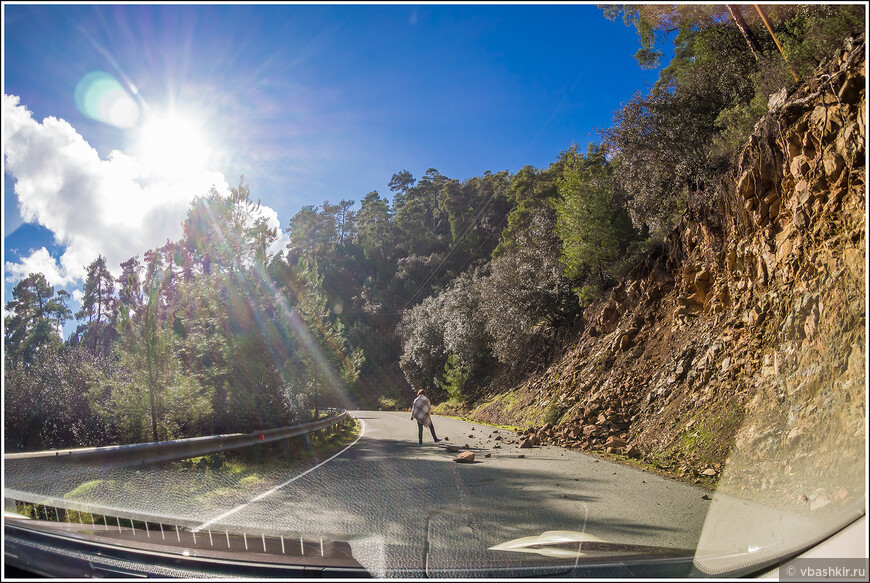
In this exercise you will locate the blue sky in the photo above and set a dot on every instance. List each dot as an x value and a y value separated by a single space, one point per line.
310 103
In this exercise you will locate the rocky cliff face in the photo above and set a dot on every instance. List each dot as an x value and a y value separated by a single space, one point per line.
743 339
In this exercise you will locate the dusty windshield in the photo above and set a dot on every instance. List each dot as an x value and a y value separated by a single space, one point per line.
435 290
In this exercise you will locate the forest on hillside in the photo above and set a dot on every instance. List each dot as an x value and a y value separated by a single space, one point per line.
458 286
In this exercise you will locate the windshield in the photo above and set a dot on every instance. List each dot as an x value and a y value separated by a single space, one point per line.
618 332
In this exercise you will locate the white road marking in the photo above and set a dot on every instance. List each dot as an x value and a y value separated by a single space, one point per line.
288 482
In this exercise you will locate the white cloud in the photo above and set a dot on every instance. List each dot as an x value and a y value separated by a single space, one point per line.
280 243
92 206
39 261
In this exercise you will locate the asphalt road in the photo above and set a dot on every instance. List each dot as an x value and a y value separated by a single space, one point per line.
405 508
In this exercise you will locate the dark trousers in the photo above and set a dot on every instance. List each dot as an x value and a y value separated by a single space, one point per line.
420 433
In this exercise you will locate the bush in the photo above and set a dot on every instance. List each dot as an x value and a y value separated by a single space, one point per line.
51 403
552 414
455 377
816 32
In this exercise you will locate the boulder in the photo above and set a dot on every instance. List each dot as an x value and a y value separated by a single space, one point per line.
800 219
615 442
834 165
851 90
464 457
777 99
661 275
702 280
526 443
754 316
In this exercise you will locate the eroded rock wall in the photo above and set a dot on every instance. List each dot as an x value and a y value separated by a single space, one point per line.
743 338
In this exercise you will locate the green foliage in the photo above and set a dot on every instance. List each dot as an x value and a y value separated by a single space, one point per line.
97 300
489 319
390 404
526 291
815 32
99 306
326 363
531 192
594 226
312 233
53 401
130 285
227 233
737 123
587 293
423 355
182 407
653 20
90 491
34 319
663 140
552 414
455 377
374 231
674 143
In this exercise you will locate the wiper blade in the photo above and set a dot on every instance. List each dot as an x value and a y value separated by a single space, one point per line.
566 544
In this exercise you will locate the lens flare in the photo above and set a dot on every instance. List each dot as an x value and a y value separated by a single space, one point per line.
173 145
101 97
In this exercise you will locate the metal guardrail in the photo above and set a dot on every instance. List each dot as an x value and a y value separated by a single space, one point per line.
162 451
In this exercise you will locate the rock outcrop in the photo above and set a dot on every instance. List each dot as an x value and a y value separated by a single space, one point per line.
744 336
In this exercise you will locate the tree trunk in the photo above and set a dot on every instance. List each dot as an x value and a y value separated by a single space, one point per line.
773 35
153 404
747 33
99 313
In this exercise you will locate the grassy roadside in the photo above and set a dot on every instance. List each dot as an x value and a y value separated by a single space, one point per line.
512 428
253 467
214 479
656 466
250 467
666 464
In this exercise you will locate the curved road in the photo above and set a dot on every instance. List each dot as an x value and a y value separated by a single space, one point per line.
405 508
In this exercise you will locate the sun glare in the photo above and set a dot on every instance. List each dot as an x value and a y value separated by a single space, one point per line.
172 146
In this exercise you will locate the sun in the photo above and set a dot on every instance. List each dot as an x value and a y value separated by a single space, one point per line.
173 146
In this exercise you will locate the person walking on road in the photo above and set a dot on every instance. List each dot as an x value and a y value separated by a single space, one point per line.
420 411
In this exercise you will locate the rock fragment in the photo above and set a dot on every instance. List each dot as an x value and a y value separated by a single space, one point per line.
464 457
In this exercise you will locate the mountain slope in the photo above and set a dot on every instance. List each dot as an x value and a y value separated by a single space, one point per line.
744 335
